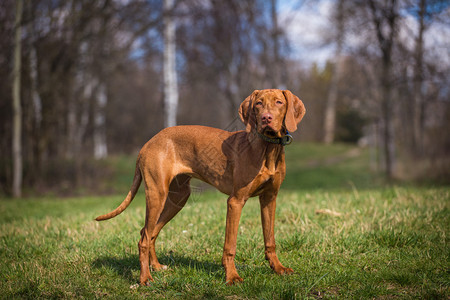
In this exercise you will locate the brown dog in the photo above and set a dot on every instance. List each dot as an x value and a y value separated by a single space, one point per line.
241 164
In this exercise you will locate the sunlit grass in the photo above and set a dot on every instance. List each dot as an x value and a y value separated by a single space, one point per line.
386 242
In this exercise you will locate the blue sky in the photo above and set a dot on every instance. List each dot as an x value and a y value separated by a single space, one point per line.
305 22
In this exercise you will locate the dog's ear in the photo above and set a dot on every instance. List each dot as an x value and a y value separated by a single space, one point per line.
295 111
246 111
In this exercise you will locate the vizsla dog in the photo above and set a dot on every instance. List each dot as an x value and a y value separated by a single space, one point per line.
241 164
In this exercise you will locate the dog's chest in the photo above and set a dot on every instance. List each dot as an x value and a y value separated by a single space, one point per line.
264 180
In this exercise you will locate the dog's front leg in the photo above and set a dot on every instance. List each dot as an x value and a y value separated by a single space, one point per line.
268 205
234 209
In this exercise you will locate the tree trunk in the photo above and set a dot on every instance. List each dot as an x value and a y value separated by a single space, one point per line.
386 110
88 84
232 90
330 109
36 98
419 105
170 72
17 108
72 126
35 148
100 146
276 75
382 16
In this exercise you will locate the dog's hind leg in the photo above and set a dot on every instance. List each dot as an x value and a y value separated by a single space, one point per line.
179 192
155 196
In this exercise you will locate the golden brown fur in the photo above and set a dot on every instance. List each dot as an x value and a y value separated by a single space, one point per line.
239 164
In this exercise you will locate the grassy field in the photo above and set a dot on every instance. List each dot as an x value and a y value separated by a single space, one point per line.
343 232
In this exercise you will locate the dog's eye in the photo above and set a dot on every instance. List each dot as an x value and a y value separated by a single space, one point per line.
279 102
258 103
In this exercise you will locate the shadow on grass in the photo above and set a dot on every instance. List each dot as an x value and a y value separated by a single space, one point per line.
125 266
121 265
175 260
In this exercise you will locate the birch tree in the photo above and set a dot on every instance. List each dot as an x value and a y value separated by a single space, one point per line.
17 108
170 72
100 146
276 76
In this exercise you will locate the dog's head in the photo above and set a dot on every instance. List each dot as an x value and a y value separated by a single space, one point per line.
272 112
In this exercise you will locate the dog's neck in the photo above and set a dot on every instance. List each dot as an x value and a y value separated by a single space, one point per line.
268 153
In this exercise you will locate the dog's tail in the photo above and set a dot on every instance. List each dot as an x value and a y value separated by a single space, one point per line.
133 190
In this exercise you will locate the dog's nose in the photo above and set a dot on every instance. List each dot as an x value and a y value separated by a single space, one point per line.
266 118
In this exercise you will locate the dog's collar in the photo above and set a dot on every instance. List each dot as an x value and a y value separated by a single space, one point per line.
285 140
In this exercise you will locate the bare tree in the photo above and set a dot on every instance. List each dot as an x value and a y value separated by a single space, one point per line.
170 72
384 17
17 108
276 76
229 45
426 11
330 108
418 106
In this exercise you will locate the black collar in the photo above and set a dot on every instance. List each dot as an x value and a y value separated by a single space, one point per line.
285 140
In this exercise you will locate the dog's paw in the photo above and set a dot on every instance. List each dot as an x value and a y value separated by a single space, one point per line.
284 271
159 267
147 281
233 280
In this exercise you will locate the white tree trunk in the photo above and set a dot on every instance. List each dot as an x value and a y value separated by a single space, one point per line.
17 108
276 75
170 72
100 146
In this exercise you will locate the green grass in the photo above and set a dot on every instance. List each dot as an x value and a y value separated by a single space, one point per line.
389 242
